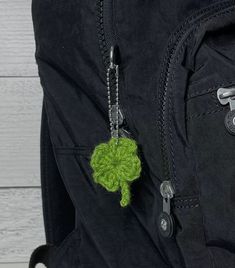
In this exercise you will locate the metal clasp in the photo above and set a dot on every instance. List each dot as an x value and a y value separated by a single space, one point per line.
227 95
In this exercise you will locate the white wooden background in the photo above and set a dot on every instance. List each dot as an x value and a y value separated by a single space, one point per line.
21 226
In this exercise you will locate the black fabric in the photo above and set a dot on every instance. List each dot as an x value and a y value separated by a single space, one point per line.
58 210
174 55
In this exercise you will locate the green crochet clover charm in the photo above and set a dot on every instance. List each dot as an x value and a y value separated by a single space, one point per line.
116 165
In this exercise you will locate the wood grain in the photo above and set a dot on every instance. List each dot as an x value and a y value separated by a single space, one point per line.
21 226
20 115
16 39
17 265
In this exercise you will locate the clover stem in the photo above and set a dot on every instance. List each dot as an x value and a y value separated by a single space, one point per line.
126 195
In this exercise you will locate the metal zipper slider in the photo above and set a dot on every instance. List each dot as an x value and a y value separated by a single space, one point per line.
165 222
227 96
123 132
120 114
113 57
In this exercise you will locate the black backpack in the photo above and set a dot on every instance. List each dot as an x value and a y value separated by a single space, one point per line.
173 63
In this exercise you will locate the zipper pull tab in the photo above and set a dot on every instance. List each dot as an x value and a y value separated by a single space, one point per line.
113 57
112 81
123 132
116 113
120 114
227 96
166 222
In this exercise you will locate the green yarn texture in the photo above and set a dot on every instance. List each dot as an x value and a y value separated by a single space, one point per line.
116 165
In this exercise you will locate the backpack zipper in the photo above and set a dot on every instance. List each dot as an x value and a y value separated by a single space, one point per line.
107 41
110 54
168 187
104 25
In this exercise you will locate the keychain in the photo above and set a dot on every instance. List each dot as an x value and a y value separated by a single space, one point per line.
116 164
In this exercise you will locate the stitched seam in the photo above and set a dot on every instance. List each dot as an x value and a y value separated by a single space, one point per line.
186 200
83 151
78 147
202 12
206 113
203 92
73 153
188 206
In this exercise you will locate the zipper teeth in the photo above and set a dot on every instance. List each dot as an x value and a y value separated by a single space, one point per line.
165 80
105 52
104 49
101 32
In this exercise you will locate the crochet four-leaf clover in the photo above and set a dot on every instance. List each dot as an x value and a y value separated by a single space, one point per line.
116 165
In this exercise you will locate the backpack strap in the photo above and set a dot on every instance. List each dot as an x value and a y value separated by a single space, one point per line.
42 254
58 210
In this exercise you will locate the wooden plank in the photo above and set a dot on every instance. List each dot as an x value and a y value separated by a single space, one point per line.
18 265
20 117
17 45
14 265
21 225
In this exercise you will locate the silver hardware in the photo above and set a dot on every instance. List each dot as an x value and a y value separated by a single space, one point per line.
114 113
227 96
163 224
124 133
166 189
113 118
111 57
165 221
167 193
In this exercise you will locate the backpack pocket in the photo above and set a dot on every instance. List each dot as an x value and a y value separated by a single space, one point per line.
201 59
110 234
210 130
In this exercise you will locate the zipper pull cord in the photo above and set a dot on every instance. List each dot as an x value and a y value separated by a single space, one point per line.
116 163
113 109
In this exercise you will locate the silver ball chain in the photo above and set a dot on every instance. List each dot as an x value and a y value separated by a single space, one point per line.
114 123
